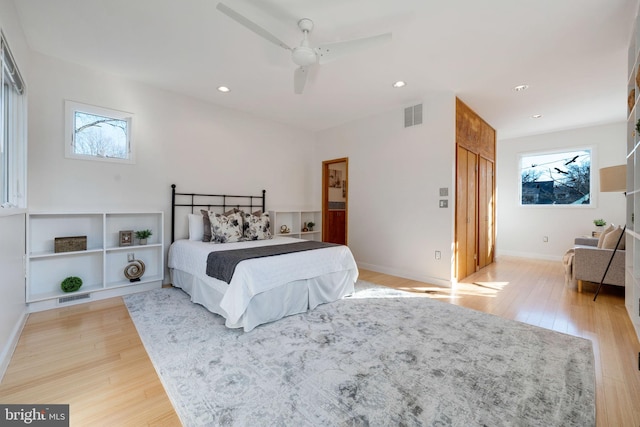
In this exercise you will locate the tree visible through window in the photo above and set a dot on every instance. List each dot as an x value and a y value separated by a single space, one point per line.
98 133
100 136
561 178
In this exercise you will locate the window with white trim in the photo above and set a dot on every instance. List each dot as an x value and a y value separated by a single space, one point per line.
556 178
13 132
97 133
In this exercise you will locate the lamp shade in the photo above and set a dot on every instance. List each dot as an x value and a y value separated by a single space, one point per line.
613 179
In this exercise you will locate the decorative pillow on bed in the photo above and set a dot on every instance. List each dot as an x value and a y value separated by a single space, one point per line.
206 222
196 227
256 226
226 228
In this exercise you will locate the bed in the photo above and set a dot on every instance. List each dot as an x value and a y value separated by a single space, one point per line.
261 289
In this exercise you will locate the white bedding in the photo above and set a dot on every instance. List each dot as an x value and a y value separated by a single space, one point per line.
279 283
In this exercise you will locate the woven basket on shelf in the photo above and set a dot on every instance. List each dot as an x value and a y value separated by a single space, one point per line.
631 100
70 244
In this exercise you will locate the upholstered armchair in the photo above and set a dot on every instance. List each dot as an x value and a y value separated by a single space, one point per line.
590 262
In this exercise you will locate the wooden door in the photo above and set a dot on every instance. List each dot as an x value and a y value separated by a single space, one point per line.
472 212
475 191
486 213
336 228
466 213
335 213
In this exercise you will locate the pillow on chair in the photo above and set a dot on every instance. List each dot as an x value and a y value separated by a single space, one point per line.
611 239
603 235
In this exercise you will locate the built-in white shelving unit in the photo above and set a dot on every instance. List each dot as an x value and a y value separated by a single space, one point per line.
632 280
295 221
101 266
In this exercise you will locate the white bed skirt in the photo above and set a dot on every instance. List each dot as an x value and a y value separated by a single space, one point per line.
291 298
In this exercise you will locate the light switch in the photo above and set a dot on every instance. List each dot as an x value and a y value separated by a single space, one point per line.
444 203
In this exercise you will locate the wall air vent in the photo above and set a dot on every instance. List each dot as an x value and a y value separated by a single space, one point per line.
413 115
73 298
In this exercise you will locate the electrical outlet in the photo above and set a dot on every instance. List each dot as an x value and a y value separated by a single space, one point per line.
131 256
438 255
545 239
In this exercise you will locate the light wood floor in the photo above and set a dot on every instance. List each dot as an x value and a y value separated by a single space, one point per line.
91 357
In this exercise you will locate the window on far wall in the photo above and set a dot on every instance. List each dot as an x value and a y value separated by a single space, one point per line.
96 133
13 135
556 178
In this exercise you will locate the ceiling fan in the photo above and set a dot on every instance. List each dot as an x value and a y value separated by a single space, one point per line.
305 56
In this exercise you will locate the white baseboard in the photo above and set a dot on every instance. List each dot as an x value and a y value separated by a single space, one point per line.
529 255
12 342
406 275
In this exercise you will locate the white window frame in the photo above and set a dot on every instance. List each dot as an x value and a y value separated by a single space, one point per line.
13 137
71 107
593 167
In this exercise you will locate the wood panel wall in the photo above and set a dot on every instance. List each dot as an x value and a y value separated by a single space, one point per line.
473 133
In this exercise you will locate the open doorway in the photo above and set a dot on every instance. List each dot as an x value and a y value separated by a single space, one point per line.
335 198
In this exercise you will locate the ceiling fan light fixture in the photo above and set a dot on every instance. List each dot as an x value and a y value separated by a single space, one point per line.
223 89
399 84
303 55
520 88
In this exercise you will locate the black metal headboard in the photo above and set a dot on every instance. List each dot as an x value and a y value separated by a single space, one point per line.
208 201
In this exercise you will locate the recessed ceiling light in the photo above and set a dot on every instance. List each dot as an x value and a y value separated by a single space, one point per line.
536 116
223 89
399 83
520 88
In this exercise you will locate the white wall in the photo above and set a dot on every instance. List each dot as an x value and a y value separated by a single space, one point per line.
395 225
12 309
520 230
198 146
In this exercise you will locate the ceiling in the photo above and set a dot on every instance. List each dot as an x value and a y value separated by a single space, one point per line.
571 53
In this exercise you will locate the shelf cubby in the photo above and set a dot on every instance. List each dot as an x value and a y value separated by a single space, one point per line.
101 266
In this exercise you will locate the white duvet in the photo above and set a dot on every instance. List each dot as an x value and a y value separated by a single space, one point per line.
259 275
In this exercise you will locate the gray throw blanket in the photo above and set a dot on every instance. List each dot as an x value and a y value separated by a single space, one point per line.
222 264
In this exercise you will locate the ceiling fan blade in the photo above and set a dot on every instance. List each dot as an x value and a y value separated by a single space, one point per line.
331 51
300 79
251 25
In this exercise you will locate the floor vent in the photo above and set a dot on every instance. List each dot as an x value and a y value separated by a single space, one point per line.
413 115
73 298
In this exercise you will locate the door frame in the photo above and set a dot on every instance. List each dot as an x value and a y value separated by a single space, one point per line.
325 197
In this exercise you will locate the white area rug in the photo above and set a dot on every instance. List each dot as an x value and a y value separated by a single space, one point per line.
379 358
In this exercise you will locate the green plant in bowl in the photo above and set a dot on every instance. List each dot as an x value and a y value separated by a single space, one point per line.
71 284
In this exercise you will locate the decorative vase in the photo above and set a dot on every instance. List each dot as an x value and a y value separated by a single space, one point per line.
143 241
